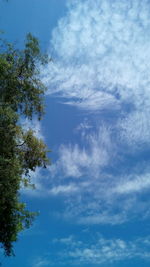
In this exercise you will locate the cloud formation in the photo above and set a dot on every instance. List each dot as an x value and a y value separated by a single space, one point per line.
102 62
102 54
136 184
100 251
102 65
95 154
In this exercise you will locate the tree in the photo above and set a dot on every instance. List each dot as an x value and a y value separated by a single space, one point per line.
21 95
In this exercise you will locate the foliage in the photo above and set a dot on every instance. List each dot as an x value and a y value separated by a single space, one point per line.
21 95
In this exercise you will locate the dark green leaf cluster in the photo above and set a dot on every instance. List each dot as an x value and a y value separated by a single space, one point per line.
21 94
20 86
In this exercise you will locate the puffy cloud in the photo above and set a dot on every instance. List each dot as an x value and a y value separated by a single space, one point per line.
103 62
102 54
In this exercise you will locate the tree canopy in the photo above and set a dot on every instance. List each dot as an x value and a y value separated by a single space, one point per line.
21 96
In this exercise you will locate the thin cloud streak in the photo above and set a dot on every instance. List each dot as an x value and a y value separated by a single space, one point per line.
133 185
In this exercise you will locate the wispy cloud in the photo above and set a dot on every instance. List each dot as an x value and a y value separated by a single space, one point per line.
100 251
93 193
102 65
83 127
76 161
63 189
135 129
40 262
133 184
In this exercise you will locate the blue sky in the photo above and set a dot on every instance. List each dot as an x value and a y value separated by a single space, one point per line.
94 198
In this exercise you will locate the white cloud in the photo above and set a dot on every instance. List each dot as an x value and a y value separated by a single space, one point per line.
75 161
102 63
102 54
40 262
135 128
107 251
83 127
66 240
104 217
90 193
99 251
134 184
64 189
104 200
